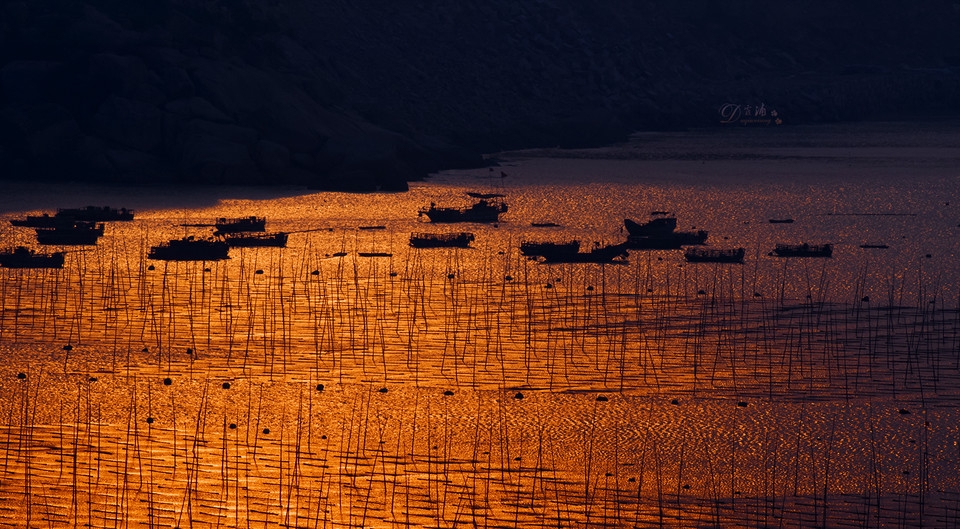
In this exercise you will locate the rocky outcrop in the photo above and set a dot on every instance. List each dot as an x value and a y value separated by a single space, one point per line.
364 95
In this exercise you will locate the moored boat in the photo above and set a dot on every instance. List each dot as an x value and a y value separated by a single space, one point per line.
23 257
45 220
549 249
803 250
237 225
253 239
483 211
74 233
714 255
655 227
598 254
671 241
441 240
96 214
190 249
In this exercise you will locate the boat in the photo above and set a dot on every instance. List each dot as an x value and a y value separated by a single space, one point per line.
803 250
598 254
483 210
441 240
253 239
45 220
656 227
190 249
660 233
552 249
73 233
781 221
672 241
375 254
96 214
875 245
475 194
237 225
714 255
547 224
23 257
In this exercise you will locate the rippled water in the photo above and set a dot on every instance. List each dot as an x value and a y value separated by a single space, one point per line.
442 387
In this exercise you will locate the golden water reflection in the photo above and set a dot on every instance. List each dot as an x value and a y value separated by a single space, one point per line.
442 387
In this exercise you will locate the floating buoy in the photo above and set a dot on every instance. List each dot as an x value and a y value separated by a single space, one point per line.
259 272
68 347
319 387
674 402
21 375
601 398
226 385
518 396
266 431
149 420
233 426
447 393
382 390
167 381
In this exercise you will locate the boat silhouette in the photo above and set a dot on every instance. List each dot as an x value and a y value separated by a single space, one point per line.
23 257
484 211
190 249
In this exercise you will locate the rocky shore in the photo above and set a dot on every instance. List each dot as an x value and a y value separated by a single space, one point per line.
370 95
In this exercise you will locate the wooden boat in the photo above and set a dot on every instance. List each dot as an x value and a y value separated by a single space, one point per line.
555 250
190 249
483 211
23 257
254 239
441 240
781 221
672 241
237 225
714 255
96 214
656 227
375 254
598 254
74 233
803 250
45 220
545 224
875 245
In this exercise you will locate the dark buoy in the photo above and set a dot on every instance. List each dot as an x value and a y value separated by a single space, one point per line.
742 404
675 402
206 270
447 393
508 278
226 385
92 379
393 274
382 390
167 381
21 375
68 347
145 350
189 351
323 437
590 288
549 285
451 276
518 396
701 292
149 420
315 273
865 299
904 411
151 267
233 426
259 272
266 431
631 480
319 387
601 398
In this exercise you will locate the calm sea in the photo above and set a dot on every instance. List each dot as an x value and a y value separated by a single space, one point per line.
348 379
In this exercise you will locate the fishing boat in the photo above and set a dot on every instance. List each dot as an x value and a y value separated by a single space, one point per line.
254 239
441 240
549 249
875 245
547 224
190 249
73 233
671 241
23 257
598 254
785 220
714 255
803 250
655 227
96 214
483 211
237 225
45 220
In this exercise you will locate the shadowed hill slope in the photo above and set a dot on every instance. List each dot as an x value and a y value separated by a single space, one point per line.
371 94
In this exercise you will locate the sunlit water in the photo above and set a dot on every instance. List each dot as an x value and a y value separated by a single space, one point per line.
452 387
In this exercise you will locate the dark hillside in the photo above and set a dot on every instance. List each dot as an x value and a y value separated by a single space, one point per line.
370 94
